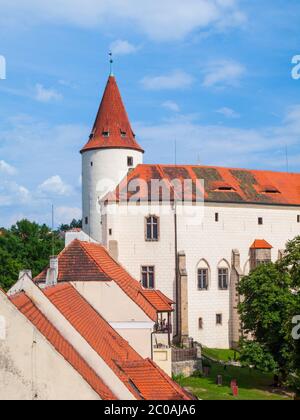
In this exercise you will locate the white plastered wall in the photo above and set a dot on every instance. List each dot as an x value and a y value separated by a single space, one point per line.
208 240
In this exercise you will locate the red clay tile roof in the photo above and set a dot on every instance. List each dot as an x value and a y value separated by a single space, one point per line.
76 265
261 244
112 118
145 373
158 300
248 186
85 261
146 380
33 314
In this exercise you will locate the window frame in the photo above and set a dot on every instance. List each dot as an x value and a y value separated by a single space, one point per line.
157 224
202 289
221 280
147 272
130 161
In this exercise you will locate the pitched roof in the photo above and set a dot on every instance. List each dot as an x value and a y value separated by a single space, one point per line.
112 348
221 185
112 128
52 335
85 261
261 244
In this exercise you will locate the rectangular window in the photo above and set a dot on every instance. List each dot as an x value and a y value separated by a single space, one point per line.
203 279
110 232
216 217
152 228
219 319
260 221
200 323
223 275
148 277
298 218
86 220
130 161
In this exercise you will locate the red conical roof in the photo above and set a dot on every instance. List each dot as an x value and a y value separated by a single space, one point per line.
112 128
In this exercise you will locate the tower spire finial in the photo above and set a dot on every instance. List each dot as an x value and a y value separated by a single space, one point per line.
111 62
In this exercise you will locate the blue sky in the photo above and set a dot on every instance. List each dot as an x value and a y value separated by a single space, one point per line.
213 74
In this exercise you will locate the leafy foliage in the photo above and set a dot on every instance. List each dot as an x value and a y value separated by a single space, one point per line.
270 302
26 246
75 224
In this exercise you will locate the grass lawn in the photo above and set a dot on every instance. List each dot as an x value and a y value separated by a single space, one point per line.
223 355
253 385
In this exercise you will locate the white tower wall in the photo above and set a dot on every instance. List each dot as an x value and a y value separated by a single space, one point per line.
102 171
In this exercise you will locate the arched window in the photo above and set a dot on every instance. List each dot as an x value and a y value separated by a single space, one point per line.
152 228
203 275
223 275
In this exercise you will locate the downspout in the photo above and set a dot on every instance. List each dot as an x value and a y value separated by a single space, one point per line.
178 318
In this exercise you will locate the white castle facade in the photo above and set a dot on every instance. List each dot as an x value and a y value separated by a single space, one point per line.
197 251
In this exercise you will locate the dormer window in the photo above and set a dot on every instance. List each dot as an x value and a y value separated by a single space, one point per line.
105 134
270 190
222 187
123 134
225 188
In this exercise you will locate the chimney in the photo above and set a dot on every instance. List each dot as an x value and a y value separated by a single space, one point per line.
52 273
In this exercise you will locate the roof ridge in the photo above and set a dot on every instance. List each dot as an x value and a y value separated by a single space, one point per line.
30 302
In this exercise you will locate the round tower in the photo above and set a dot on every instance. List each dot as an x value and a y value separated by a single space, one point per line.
111 152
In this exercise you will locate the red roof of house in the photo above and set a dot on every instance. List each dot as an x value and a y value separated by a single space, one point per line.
261 244
221 185
85 261
35 316
112 118
146 379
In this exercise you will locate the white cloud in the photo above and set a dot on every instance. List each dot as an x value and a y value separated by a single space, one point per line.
12 193
120 47
56 186
176 80
223 73
262 148
160 20
43 94
6 168
67 214
171 106
228 112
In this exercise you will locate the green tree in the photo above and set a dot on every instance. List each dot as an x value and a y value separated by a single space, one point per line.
26 245
75 224
270 302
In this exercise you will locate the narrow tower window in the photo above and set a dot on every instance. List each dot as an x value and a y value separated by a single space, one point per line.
260 221
219 319
130 161
217 217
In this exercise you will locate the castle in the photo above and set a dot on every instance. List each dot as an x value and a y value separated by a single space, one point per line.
190 231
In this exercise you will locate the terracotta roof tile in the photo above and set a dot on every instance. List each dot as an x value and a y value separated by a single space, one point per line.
145 373
112 118
247 186
76 265
33 314
261 244
85 261
112 348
